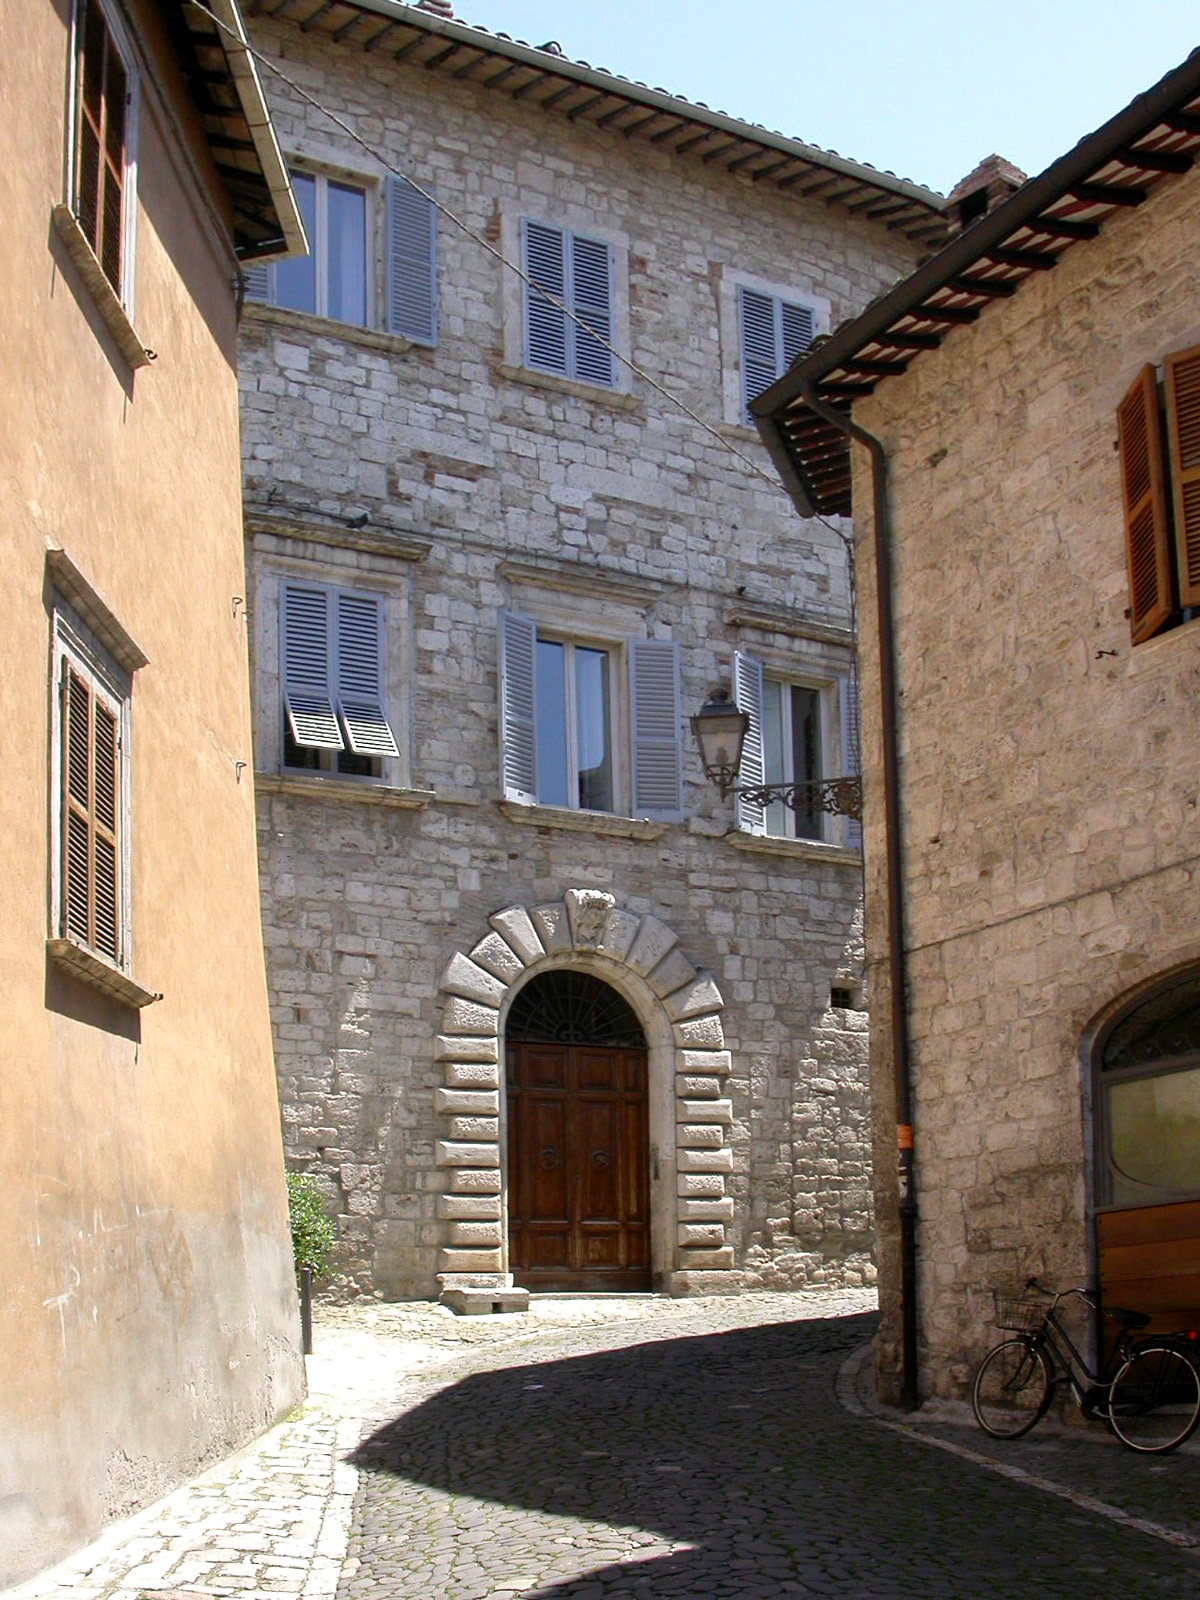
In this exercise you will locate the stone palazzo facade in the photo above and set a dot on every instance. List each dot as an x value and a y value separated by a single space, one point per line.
492 571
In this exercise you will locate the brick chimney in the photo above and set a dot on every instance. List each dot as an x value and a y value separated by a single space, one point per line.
982 190
440 8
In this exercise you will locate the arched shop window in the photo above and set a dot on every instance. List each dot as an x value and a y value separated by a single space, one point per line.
1149 1100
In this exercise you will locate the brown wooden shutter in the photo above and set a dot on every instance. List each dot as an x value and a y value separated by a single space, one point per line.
100 151
91 882
1147 534
1182 371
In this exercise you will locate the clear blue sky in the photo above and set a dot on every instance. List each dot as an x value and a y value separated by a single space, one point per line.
923 88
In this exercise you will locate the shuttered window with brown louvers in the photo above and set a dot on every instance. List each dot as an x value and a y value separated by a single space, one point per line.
100 142
1147 534
91 886
1182 371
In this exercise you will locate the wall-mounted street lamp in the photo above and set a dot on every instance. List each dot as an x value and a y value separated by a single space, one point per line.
721 728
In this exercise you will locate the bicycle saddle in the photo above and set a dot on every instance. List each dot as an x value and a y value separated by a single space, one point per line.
1127 1319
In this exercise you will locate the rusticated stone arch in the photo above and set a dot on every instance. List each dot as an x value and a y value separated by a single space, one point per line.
679 1009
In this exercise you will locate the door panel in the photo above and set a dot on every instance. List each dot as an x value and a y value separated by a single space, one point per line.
579 1193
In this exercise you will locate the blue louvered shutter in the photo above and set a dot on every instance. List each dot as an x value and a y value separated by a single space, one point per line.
748 696
257 277
545 323
518 734
796 329
657 745
411 262
591 299
759 345
851 747
360 676
306 670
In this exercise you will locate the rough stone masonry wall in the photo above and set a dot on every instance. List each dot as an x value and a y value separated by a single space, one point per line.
597 512
1050 770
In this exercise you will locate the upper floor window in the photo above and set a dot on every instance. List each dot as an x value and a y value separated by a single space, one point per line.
799 734
103 182
559 721
334 682
578 272
772 332
337 279
1161 494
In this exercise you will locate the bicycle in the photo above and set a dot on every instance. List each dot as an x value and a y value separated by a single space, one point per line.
1147 1390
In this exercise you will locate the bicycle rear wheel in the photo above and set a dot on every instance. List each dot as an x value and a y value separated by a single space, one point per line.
1155 1400
1012 1389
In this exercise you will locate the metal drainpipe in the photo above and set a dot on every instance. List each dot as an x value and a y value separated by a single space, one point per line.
906 1180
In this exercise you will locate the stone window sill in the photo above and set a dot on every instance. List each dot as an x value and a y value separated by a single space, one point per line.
303 322
344 790
596 392
601 822
798 849
97 973
107 302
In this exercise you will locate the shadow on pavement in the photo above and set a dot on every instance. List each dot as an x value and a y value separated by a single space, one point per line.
731 1448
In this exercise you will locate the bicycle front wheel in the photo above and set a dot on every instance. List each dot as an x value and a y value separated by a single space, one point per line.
1012 1389
1154 1404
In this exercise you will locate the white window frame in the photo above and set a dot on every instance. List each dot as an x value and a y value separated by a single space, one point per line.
129 190
829 724
319 243
616 673
732 282
77 647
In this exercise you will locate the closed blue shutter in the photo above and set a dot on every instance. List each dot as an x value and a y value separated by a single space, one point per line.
851 747
360 678
748 694
657 746
257 277
411 263
759 345
518 739
545 323
306 652
796 328
591 299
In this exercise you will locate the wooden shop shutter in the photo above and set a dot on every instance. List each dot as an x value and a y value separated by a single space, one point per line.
100 142
91 856
306 675
518 701
1182 371
657 742
748 696
1145 507
360 675
411 262
545 323
591 299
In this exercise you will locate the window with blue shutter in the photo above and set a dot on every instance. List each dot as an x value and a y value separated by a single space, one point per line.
576 274
518 739
772 333
334 681
411 262
748 696
335 280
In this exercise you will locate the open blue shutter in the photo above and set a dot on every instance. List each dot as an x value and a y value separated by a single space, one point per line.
657 744
360 679
796 329
518 736
545 324
748 696
257 278
759 347
591 299
306 695
411 263
851 747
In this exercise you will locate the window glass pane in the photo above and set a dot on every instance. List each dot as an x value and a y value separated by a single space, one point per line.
552 724
296 281
346 252
774 750
592 729
1155 1135
806 754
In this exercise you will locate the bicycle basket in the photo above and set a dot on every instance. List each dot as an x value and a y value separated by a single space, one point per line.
1019 1315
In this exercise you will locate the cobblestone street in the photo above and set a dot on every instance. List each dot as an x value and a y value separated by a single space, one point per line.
621 1448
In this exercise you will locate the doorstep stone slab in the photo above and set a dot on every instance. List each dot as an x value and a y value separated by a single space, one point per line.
483 1302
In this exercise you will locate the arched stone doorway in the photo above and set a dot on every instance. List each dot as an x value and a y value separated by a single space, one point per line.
578 1138
690 1157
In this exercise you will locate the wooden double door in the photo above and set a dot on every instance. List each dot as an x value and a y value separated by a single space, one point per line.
578 1175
